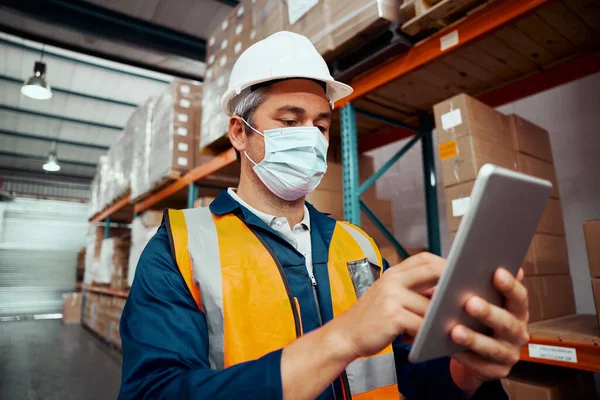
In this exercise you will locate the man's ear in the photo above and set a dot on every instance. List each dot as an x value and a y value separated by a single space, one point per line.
237 133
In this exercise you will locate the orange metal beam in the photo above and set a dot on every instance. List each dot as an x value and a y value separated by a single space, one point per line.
475 26
107 212
562 73
220 161
588 355
110 292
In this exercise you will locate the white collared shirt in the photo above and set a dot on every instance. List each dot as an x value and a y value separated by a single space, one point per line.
299 236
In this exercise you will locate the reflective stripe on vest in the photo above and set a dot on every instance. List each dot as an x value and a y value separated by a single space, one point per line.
243 296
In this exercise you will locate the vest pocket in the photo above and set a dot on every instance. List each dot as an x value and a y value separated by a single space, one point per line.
363 273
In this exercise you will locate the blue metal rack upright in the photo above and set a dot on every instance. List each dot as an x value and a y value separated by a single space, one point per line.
353 204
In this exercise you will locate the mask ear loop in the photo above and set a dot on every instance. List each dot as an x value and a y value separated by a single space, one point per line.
251 127
260 133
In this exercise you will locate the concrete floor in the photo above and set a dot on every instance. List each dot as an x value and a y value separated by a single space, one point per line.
48 360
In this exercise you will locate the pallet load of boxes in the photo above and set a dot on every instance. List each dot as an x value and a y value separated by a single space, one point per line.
471 134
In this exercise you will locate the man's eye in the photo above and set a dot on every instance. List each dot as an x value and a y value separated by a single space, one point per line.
288 122
323 129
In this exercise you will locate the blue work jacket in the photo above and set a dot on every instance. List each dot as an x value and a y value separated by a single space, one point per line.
165 339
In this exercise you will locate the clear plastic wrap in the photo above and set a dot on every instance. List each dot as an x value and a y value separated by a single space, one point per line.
105 266
140 126
175 121
143 229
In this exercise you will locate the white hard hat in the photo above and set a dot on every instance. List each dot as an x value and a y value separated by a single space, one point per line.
282 55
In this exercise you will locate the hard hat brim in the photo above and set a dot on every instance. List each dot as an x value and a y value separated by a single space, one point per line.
335 90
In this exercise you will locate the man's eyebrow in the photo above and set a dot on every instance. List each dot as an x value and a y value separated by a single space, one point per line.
293 109
325 115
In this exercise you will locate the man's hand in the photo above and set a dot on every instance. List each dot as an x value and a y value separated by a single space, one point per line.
395 304
491 358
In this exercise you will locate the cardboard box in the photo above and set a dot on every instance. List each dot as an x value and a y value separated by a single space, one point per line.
547 255
333 179
332 202
457 203
529 381
552 219
462 158
354 21
312 20
538 168
596 290
462 116
550 296
591 231
71 308
268 17
530 139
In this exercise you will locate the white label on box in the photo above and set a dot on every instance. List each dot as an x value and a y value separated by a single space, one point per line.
253 34
223 61
211 59
556 353
182 117
212 41
209 73
185 89
460 206
181 131
297 8
221 81
183 161
239 28
224 44
185 103
451 119
182 146
449 40
224 24
238 47
240 11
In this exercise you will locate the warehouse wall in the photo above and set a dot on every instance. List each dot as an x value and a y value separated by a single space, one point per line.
570 113
39 241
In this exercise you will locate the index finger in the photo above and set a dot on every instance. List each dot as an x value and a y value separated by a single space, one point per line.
514 292
422 276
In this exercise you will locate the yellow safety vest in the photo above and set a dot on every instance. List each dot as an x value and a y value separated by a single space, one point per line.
249 311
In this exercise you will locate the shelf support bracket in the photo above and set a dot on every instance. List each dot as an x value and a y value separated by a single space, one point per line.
350 164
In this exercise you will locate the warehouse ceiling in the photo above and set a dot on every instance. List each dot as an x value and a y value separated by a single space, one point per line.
104 58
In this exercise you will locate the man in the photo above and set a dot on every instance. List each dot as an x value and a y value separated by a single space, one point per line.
263 297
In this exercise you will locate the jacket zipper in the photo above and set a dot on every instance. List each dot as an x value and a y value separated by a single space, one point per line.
313 282
292 299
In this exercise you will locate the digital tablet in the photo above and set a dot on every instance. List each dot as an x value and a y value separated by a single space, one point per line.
504 210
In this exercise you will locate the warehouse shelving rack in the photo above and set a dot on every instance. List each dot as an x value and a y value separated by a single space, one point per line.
551 42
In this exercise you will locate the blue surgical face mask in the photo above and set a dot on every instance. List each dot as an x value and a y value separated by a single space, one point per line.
295 160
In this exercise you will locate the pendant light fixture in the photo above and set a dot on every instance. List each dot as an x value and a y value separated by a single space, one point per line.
36 87
52 164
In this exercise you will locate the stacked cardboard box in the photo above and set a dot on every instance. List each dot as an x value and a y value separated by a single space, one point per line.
93 248
542 382
471 134
80 266
71 308
175 120
591 231
103 315
329 198
140 125
143 228
333 26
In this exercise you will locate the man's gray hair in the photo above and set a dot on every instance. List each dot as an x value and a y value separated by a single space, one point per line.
248 101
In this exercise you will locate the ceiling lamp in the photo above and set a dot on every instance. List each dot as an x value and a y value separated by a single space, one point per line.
36 87
52 164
